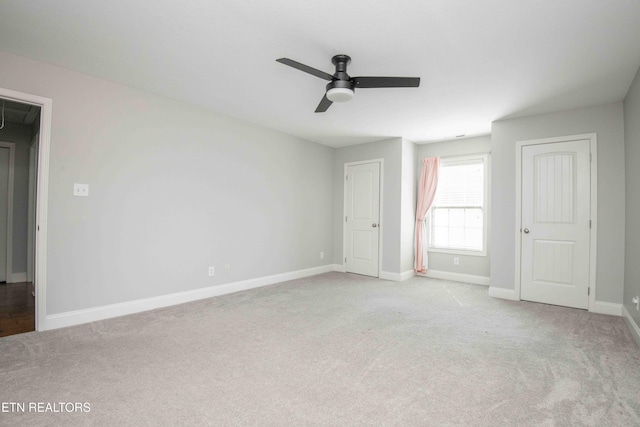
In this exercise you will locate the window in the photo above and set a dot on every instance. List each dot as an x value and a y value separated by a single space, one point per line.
458 215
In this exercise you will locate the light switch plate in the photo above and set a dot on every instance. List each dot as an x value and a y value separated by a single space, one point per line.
81 189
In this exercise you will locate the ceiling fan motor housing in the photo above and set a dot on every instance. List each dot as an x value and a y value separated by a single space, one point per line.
341 88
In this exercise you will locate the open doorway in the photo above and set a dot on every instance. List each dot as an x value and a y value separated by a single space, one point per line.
19 147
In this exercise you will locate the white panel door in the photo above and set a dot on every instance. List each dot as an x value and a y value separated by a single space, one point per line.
555 223
4 210
362 218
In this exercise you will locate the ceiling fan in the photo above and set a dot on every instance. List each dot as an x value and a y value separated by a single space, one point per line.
341 86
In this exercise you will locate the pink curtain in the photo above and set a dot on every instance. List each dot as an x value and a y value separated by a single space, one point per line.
426 193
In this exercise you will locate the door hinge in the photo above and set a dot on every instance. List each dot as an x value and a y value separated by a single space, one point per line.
345 259
346 177
345 219
588 291
590 157
589 223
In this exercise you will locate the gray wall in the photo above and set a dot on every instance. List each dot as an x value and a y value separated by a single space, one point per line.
21 135
173 189
391 151
469 264
607 122
632 171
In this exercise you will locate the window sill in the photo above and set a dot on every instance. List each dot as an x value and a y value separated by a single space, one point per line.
457 252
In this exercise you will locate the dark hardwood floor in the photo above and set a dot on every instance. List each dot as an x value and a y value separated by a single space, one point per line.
17 308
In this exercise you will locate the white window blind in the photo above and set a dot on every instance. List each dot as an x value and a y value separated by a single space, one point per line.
458 212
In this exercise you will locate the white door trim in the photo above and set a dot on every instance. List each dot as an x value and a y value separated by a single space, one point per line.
593 146
12 159
344 209
31 208
42 197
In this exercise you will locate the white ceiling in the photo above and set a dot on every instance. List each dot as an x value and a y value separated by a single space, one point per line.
479 60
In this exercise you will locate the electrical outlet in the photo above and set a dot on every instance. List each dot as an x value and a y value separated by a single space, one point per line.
456 260
321 255
212 271
227 268
636 301
81 190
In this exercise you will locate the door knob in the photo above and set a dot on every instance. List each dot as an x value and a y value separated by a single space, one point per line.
374 225
526 231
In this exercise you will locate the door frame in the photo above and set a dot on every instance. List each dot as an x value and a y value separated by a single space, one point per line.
344 209
12 159
42 197
593 209
31 208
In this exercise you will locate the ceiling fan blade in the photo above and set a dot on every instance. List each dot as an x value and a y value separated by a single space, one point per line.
324 105
305 68
372 82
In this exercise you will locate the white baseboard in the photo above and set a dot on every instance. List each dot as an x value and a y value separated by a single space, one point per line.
77 317
633 326
457 277
407 275
397 277
387 275
600 307
339 268
18 277
609 308
503 293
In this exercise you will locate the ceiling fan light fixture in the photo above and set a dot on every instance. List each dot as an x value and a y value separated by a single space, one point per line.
340 94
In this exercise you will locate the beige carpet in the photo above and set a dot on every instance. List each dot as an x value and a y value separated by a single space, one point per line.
334 349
